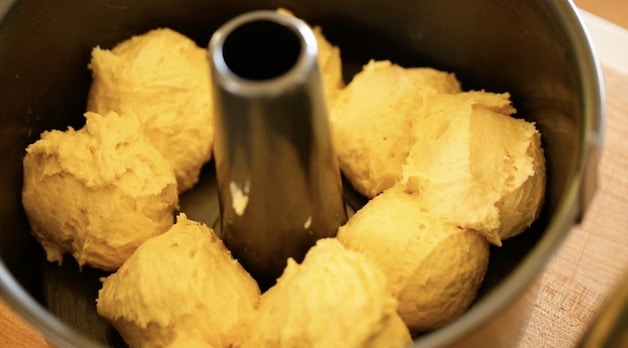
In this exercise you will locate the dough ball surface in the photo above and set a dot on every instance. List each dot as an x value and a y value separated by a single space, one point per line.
163 79
178 289
373 117
97 193
476 166
329 63
334 298
434 269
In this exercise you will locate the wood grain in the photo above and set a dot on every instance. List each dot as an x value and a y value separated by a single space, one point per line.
594 259
16 333
615 11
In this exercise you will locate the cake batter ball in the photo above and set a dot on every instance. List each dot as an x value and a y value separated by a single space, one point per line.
334 298
329 63
475 166
97 193
162 78
433 268
373 117
179 289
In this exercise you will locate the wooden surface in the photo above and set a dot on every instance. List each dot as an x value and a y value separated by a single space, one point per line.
579 278
615 11
594 258
16 333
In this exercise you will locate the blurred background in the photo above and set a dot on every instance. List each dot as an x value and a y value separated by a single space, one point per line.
615 11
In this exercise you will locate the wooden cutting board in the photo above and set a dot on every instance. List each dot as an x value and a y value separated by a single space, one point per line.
593 260
578 280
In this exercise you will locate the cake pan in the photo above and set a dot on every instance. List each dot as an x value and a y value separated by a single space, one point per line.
537 50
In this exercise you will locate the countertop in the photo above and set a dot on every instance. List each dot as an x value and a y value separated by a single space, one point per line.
579 278
593 260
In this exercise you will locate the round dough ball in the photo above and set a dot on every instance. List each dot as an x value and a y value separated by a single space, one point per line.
434 269
178 289
373 117
162 78
475 166
334 298
97 193
329 63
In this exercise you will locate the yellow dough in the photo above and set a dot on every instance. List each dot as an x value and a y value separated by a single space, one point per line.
335 298
162 78
446 173
476 167
330 66
329 63
181 288
434 269
97 193
373 117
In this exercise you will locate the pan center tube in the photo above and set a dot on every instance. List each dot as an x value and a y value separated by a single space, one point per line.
278 178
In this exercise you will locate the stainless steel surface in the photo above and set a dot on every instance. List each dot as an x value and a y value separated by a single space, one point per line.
278 177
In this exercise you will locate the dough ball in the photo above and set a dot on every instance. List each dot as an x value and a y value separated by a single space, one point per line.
373 117
434 269
97 193
330 66
475 166
329 63
335 298
182 287
163 78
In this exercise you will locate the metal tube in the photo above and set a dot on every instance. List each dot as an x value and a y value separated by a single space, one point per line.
278 177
